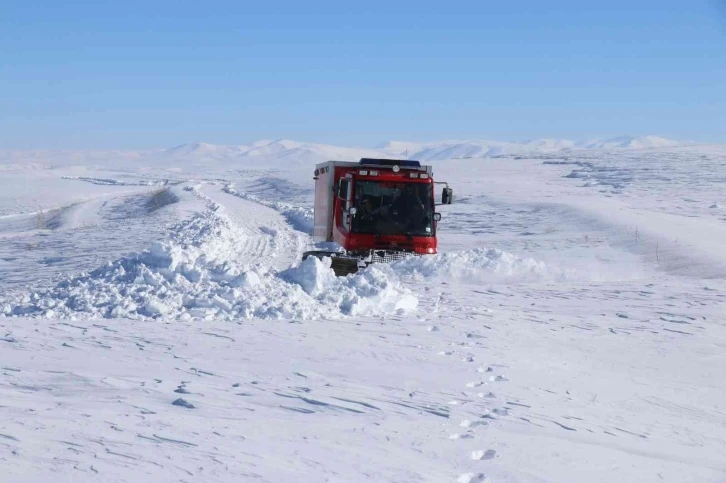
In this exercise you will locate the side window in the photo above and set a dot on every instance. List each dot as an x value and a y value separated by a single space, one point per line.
343 189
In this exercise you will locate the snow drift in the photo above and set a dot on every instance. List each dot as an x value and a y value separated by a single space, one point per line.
204 271
479 265
197 275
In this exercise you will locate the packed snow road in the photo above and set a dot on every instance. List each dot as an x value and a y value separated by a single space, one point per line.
546 343
267 238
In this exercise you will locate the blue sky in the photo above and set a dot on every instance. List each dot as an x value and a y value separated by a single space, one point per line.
90 74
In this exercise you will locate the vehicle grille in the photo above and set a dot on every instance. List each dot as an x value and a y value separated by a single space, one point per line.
388 256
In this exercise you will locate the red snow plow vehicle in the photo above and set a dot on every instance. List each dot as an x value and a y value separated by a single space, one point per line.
377 210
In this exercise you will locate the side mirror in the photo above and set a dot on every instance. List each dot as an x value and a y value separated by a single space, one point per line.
447 194
437 216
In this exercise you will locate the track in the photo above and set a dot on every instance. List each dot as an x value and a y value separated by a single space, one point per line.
269 240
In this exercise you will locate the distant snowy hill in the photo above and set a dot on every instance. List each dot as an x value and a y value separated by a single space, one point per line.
630 142
271 151
201 151
262 153
473 149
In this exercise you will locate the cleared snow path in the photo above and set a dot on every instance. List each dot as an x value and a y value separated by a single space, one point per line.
267 238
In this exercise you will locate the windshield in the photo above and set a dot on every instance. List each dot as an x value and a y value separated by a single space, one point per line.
393 208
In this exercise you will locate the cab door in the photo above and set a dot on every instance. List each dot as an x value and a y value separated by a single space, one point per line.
343 194
345 190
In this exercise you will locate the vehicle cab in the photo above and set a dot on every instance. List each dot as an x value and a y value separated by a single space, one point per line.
381 204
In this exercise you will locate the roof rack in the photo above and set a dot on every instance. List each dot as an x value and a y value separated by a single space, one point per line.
404 163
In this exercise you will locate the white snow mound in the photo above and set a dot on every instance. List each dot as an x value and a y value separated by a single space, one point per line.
196 275
369 291
477 265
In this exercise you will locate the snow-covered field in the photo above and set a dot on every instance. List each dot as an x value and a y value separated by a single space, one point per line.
156 323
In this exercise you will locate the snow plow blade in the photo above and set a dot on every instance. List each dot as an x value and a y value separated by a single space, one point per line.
341 263
345 264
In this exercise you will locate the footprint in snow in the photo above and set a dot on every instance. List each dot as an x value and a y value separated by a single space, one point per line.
498 379
471 424
472 478
483 455
181 402
461 436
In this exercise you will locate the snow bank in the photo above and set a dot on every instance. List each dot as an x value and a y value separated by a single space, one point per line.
200 273
477 265
369 291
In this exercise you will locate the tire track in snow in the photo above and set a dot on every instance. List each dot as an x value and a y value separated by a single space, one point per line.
269 239
300 219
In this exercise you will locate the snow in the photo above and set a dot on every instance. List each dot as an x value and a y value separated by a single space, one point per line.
631 142
157 323
212 268
479 265
196 157
443 150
